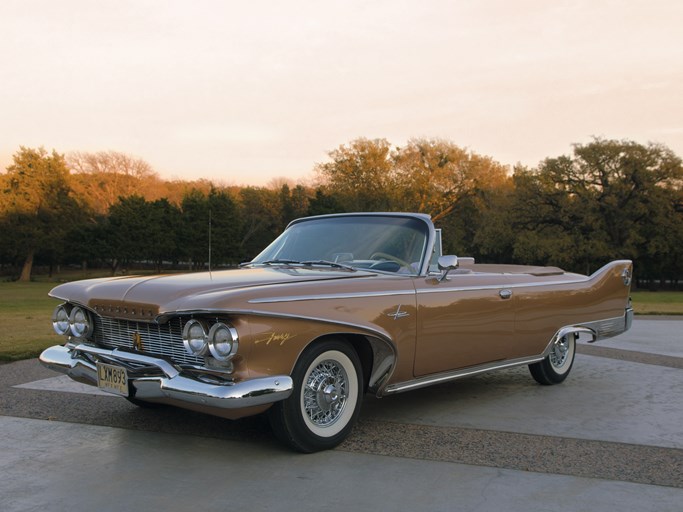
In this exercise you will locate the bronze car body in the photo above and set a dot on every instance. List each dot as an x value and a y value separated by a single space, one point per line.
336 306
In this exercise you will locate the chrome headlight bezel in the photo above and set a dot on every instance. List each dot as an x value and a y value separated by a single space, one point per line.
223 341
60 320
81 323
195 338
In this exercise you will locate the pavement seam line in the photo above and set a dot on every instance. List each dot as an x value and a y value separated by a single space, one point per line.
605 460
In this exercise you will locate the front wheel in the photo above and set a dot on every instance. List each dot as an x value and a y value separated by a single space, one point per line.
325 401
556 365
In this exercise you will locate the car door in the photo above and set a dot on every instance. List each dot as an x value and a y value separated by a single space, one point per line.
462 321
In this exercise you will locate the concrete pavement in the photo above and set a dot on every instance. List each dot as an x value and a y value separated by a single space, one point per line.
609 438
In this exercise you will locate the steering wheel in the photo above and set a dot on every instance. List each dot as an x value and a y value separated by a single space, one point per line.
385 256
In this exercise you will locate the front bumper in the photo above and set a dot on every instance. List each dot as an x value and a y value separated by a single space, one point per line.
157 380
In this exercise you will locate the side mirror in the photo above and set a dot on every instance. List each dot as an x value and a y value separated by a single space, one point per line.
446 264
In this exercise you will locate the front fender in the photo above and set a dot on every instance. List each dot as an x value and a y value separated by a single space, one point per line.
275 342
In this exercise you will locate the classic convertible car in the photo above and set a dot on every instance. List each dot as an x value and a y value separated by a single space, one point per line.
336 306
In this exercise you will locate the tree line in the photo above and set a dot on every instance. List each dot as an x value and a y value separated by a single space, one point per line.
609 199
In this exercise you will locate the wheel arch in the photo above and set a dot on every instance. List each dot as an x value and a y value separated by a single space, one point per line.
576 330
377 356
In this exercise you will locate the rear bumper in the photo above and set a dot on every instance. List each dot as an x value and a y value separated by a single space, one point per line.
167 382
610 327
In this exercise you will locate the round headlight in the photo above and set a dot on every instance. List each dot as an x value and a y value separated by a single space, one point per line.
80 323
223 341
60 320
194 338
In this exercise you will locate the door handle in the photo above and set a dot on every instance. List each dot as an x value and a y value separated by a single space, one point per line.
505 294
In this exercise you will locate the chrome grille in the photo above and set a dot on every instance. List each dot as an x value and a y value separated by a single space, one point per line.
157 339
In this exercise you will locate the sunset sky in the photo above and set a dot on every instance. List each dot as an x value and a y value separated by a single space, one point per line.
244 92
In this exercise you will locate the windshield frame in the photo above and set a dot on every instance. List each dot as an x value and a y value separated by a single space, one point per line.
423 224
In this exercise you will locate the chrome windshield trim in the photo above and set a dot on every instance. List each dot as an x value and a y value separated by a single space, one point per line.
422 217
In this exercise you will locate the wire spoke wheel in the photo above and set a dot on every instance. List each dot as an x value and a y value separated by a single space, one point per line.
559 352
325 393
326 399
557 364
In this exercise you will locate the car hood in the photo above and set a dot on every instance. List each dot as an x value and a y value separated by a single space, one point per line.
144 297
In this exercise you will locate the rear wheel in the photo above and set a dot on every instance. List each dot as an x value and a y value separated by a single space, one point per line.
325 401
556 365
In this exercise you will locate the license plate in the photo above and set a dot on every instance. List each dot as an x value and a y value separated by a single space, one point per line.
112 379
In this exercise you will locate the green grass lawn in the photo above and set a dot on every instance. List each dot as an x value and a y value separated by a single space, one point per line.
657 303
26 311
25 320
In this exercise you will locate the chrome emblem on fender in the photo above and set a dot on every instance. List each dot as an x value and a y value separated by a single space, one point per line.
137 342
398 313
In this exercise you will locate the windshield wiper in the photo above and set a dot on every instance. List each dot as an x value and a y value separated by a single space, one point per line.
270 262
328 264
281 262
309 263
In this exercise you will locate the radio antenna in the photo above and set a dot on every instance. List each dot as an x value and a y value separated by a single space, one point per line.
209 242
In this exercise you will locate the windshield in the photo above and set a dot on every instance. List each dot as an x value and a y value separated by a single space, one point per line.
382 243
